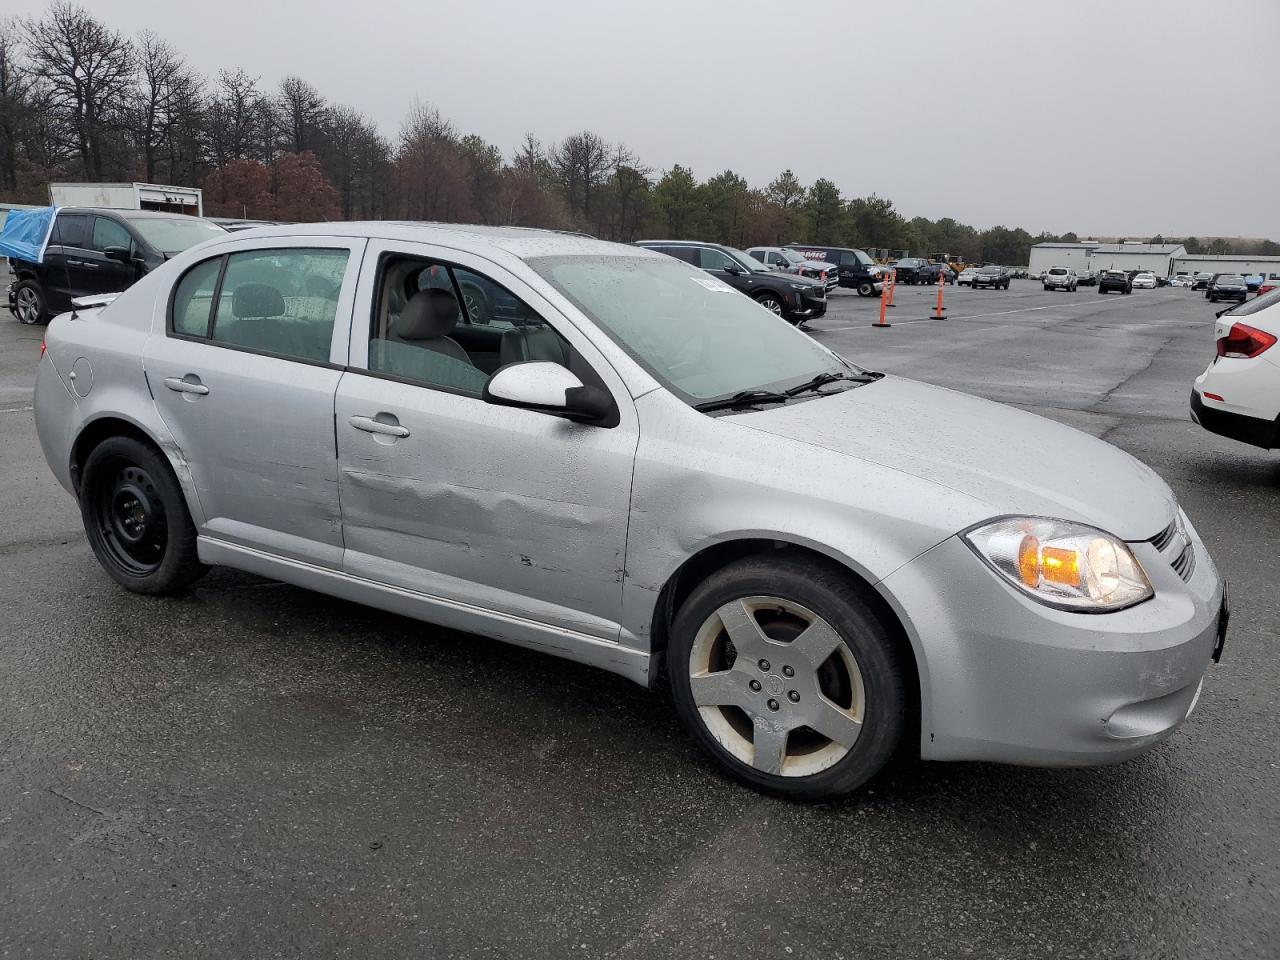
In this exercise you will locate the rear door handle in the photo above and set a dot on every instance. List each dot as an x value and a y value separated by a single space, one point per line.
385 428
188 384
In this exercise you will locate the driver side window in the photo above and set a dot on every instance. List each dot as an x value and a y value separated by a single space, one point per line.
714 260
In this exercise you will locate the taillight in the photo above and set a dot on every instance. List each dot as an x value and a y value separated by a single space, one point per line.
1244 342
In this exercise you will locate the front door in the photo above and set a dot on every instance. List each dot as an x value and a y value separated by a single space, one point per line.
103 274
504 510
244 375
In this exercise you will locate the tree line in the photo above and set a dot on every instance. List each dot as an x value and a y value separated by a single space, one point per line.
82 101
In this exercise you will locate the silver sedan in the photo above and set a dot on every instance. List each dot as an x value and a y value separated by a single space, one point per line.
604 453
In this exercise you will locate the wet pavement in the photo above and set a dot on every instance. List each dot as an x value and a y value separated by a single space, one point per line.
257 771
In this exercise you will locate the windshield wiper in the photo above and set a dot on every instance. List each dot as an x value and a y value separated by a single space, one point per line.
822 379
744 398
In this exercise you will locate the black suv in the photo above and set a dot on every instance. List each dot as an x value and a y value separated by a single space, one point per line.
911 269
793 298
92 251
991 276
1115 280
855 268
929 273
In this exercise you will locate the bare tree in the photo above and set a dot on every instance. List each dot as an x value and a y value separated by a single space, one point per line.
235 119
581 164
355 161
301 112
14 89
162 81
89 69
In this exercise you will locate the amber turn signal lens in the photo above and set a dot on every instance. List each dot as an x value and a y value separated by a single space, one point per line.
1059 565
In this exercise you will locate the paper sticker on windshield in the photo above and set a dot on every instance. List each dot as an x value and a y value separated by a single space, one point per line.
712 284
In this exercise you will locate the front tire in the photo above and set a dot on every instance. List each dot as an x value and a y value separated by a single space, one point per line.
30 307
770 303
136 518
787 678
866 288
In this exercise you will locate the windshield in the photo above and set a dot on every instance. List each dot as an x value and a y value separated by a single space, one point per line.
695 334
792 256
989 270
1231 279
174 236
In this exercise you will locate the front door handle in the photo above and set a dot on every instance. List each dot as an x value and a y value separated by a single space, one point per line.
385 428
188 384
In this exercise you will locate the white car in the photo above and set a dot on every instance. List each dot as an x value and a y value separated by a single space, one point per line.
1059 278
1238 396
1144 281
966 277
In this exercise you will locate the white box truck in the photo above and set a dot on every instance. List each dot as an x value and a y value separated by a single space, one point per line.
129 196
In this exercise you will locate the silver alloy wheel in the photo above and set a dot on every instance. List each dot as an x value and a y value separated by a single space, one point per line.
777 686
771 304
28 306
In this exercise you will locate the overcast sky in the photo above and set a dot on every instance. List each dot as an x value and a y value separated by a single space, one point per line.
1099 116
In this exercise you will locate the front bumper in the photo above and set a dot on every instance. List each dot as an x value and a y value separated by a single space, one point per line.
1240 295
806 306
1007 679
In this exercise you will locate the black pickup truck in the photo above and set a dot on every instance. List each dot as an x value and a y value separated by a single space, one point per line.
856 269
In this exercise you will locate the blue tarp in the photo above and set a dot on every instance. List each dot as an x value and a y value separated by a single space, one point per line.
25 233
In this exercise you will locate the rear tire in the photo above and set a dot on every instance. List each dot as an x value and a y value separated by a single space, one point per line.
136 518
739 626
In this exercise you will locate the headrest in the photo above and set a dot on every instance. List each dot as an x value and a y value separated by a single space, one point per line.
257 300
428 314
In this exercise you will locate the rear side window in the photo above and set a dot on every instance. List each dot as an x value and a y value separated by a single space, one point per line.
280 301
70 230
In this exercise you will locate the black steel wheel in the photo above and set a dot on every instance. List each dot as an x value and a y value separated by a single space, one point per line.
136 518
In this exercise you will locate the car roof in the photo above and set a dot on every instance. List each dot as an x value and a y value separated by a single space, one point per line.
131 214
522 242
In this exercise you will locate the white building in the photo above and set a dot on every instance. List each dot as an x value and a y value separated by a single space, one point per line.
1159 258
1205 263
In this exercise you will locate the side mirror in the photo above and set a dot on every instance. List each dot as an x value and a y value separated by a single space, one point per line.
732 270
547 388
120 254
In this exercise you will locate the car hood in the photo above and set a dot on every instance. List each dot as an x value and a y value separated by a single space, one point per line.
1015 461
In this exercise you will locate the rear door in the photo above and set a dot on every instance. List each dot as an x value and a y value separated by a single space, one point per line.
244 373
62 274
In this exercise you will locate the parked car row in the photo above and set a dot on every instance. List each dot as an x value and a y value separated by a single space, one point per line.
795 298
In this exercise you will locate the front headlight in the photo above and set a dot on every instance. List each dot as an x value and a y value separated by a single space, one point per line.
1061 563
800 286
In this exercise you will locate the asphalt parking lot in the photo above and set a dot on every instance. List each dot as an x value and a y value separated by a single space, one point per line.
257 771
